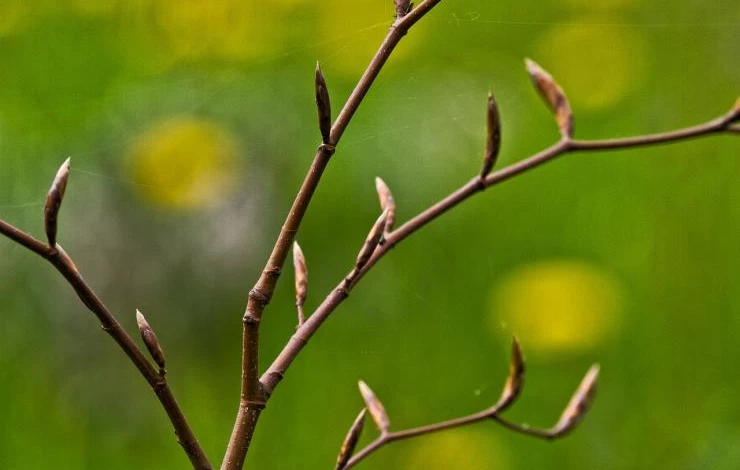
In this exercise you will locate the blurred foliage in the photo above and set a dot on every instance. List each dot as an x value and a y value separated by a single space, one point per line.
190 125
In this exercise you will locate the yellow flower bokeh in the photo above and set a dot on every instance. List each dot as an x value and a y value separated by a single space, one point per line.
95 7
600 4
456 449
348 45
183 163
557 306
596 61
13 16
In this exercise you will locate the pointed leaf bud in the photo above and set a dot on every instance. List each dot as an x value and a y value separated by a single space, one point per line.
579 403
301 280
372 241
515 380
387 203
403 8
375 407
151 341
736 111
553 95
350 441
493 136
54 202
323 105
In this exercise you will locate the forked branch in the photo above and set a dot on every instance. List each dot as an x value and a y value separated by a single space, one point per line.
726 123
382 237
253 394
54 253
569 419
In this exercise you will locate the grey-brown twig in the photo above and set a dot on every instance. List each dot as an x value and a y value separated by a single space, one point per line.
64 264
256 389
253 396
555 98
285 358
569 419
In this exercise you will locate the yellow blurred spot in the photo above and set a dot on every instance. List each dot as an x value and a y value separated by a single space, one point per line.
94 7
226 29
183 163
348 45
13 16
601 4
558 306
596 62
456 449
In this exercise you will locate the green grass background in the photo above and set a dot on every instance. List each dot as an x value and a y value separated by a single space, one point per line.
190 125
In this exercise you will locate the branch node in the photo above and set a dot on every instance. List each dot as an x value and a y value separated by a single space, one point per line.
403 8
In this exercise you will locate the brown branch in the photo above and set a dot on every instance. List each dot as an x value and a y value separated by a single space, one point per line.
571 416
253 396
388 438
64 264
275 373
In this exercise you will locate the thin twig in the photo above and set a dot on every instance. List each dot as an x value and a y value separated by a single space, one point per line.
253 396
571 416
300 338
64 264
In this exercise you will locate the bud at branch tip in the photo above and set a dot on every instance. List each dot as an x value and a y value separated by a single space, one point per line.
151 341
579 403
515 380
350 441
375 407
301 280
493 136
553 96
387 203
54 201
323 105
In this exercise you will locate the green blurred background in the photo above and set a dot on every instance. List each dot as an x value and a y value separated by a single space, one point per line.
190 125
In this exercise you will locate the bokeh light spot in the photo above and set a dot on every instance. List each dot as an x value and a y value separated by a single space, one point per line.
183 163
13 15
349 45
596 61
459 448
558 306
600 4
95 7
225 30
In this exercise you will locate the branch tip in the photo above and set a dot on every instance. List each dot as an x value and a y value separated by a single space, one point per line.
579 403
323 105
54 201
553 95
375 407
493 136
350 440
301 280
151 341
515 380
387 203
736 111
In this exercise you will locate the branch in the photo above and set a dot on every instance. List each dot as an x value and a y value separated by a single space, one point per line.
64 264
275 373
569 419
253 396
